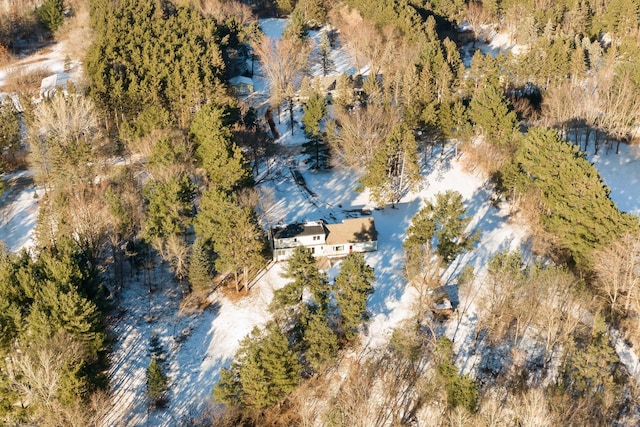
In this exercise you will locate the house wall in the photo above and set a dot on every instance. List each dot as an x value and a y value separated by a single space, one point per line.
342 249
309 241
284 253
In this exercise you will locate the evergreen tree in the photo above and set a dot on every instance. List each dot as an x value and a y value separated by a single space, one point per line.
573 201
155 348
451 224
319 341
314 12
324 54
302 269
9 134
442 222
454 121
316 149
490 111
200 267
352 288
169 207
234 232
157 383
130 69
217 153
296 29
589 371
51 325
168 152
157 380
265 372
394 168
50 14
461 390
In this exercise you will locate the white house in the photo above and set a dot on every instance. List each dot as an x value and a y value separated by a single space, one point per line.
330 240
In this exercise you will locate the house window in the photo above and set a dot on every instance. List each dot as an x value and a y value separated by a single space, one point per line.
338 248
313 250
316 237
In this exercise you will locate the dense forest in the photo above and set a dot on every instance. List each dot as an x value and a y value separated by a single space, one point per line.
157 94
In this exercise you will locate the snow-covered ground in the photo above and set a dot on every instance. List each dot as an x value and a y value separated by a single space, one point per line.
18 211
198 345
50 59
621 173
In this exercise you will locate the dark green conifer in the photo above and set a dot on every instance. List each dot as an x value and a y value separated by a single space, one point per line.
234 232
302 269
319 341
157 383
200 271
352 287
317 149
490 111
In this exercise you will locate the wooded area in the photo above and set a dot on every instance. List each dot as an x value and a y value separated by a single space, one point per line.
157 95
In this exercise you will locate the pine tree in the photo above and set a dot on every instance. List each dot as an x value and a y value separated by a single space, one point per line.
266 370
590 371
352 288
157 383
9 134
451 224
155 348
489 110
157 380
319 341
302 269
441 224
454 121
296 29
218 154
50 13
394 168
316 149
324 54
581 215
170 206
200 267
237 238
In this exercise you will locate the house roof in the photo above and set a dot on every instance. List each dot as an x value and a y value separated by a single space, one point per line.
241 80
299 230
353 230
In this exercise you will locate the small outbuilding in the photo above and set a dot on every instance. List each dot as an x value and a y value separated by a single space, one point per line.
242 85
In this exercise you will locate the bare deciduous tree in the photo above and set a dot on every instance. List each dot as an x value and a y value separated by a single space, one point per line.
37 374
355 135
177 252
62 135
283 63
617 275
222 10
530 409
